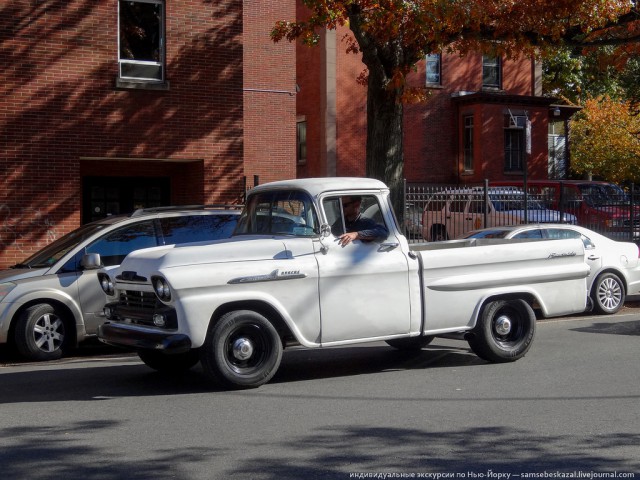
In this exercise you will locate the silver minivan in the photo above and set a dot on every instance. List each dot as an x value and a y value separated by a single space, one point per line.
52 300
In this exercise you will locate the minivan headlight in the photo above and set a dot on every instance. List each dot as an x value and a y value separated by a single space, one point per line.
106 284
161 287
5 288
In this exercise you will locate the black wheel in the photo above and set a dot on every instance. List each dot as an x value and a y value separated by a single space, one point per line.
504 332
169 363
242 350
607 294
438 233
40 333
413 343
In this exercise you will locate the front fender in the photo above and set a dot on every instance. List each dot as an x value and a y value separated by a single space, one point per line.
195 314
11 307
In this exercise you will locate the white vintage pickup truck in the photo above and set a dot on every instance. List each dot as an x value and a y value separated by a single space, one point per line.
286 279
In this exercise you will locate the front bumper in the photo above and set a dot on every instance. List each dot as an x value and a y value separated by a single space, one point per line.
143 338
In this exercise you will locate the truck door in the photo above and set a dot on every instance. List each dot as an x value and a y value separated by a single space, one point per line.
364 288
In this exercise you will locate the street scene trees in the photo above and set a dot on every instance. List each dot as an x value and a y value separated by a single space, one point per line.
393 35
605 140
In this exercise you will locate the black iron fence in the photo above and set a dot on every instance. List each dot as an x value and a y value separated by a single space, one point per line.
439 212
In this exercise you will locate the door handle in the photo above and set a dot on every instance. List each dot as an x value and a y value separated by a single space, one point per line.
593 257
389 245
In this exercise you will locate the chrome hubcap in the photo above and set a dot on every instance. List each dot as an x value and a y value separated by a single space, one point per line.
242 349
610 293
48 333
503 325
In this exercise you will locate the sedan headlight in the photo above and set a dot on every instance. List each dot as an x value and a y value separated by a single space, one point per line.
106 284
161 287
5 288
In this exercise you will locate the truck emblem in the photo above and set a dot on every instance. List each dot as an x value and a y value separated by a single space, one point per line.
269 277
558 255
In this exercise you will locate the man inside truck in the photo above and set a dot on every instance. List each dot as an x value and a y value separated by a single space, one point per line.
356 226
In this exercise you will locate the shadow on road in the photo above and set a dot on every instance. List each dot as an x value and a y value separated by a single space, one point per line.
333 452
617 328
103 377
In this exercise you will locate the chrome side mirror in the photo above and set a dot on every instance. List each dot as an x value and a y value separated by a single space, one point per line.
91 261
325 232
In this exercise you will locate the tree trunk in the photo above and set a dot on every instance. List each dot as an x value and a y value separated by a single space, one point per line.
384 158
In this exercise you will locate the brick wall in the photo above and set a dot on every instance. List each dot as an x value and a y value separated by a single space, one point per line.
62 118
269 93
432 143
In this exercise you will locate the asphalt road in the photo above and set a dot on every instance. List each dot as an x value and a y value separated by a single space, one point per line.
570 407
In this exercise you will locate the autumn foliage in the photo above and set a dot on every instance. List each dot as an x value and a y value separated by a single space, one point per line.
605 140
393 35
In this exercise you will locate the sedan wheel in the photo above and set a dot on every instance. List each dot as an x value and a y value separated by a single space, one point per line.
608 294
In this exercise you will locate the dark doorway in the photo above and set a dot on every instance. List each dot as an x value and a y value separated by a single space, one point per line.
102 196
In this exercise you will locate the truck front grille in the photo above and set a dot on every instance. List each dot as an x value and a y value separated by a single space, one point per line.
137 299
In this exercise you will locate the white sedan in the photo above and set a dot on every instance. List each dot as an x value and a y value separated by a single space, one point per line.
615 268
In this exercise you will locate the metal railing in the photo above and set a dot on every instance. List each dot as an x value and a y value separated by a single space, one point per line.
438 212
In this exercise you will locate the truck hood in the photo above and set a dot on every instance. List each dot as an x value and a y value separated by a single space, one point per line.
13 274
237 249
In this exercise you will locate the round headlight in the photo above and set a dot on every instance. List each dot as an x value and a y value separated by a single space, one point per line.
107 284
162 289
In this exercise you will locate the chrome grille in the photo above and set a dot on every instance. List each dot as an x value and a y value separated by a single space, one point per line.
138 299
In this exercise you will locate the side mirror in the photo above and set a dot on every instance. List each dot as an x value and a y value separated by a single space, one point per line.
91 261
325 230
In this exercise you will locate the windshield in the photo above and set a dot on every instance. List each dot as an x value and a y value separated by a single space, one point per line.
58 249
507 202
279 213
487 234
601 195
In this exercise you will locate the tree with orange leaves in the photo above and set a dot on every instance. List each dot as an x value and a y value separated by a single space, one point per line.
605 140
393 35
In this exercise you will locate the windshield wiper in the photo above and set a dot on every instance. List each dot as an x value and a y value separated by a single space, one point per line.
20 265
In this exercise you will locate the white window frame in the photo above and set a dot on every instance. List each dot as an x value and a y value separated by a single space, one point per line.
161 54
494 63
432 58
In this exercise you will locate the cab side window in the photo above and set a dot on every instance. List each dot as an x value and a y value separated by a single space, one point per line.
334 211
534 233
560 233
437 202
458 203
477 204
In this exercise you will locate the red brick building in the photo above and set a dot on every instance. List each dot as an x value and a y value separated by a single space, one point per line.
472 128
107 106
111 105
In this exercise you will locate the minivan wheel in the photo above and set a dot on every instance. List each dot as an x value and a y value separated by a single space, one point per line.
40 333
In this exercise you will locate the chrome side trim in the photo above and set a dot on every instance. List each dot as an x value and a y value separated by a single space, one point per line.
269 277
